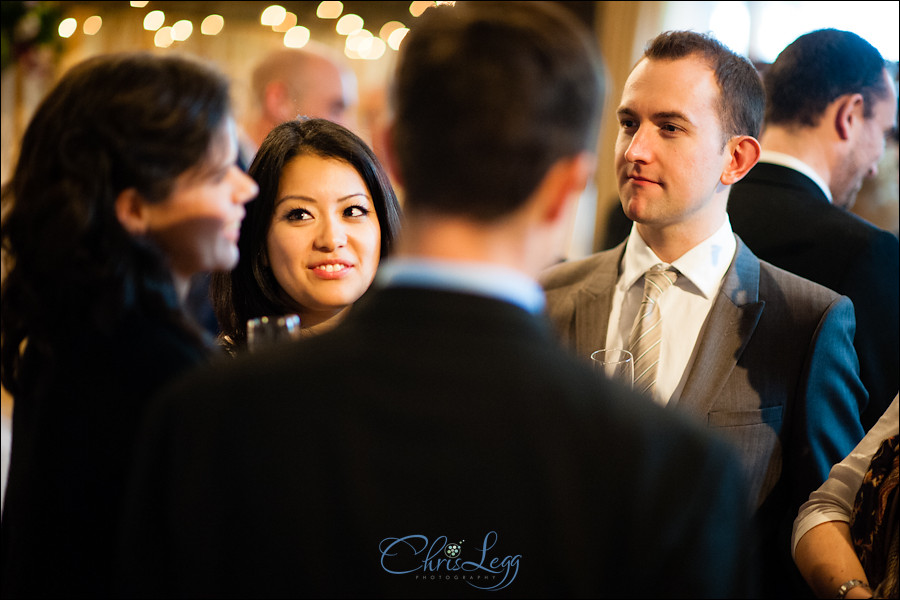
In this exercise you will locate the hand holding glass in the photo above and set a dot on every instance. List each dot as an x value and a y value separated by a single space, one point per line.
616 363
266 331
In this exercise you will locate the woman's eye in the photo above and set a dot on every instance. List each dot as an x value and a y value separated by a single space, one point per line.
219 175
356 211
298 214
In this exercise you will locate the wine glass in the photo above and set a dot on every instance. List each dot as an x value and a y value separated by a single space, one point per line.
616 363
266 331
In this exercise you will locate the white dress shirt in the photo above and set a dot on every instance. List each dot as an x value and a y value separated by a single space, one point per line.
683 307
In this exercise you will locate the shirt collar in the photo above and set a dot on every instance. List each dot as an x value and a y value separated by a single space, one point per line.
466 277
704 265
792 162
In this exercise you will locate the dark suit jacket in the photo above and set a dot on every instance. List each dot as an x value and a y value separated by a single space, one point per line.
786 220
774 370
447 417
71 452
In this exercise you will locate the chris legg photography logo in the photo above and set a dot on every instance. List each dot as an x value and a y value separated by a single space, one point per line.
446 560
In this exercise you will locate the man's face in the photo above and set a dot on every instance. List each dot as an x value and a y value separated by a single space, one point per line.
669 151
867 148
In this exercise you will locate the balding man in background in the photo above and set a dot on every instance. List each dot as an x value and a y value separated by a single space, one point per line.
293 82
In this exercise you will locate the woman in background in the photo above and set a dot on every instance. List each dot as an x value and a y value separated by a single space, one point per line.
311 243
125 187
845 538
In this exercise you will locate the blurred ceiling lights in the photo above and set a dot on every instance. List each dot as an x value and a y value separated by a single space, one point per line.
359 44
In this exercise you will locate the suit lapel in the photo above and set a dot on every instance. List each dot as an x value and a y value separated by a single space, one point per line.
594 302
729 326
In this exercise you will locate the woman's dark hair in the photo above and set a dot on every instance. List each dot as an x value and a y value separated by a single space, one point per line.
250 289
114 122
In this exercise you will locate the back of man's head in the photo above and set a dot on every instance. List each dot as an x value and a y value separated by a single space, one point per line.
816 69
741 96
487 96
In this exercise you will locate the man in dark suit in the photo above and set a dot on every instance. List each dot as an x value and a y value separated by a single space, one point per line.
440 441
829 105
755 352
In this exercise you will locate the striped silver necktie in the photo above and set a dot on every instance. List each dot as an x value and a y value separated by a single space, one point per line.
646 334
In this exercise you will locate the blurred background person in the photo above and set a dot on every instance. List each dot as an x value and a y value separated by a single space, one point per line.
830 108
311 242
125 187
298 82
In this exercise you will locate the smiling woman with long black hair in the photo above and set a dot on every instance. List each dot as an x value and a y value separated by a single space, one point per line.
325 217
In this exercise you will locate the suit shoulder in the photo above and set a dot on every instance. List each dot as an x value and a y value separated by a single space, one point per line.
794 289
771 193
852 232
572 274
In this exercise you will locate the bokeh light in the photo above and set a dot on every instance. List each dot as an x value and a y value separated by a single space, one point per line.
212 25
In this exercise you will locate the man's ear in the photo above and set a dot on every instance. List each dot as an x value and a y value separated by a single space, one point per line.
848 111
390 153
276 100
133 212
564 183
744 153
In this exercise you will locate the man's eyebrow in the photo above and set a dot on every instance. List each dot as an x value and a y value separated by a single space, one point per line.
671 115
624 111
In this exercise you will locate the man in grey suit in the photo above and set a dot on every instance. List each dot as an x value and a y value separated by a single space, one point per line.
759 354
830 104
439 442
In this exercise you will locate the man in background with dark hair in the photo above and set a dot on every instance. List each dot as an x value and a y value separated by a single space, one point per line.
761 355
439 441
830 104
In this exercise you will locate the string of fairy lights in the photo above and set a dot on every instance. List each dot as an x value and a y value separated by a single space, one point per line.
360 43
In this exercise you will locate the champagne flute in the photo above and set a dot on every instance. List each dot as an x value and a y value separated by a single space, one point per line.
616 363
266 331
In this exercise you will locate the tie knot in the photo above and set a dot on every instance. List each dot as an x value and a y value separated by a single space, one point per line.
657 280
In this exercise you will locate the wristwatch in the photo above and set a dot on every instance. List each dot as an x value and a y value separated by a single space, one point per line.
846 587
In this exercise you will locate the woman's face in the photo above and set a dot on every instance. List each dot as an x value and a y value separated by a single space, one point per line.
324 241
197 226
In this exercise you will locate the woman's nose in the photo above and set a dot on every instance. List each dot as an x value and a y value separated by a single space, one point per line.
245 188
331 234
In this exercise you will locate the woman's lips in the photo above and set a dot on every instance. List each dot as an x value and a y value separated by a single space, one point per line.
232 232
331 270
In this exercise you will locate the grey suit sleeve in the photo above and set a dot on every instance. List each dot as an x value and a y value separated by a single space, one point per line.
826 424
